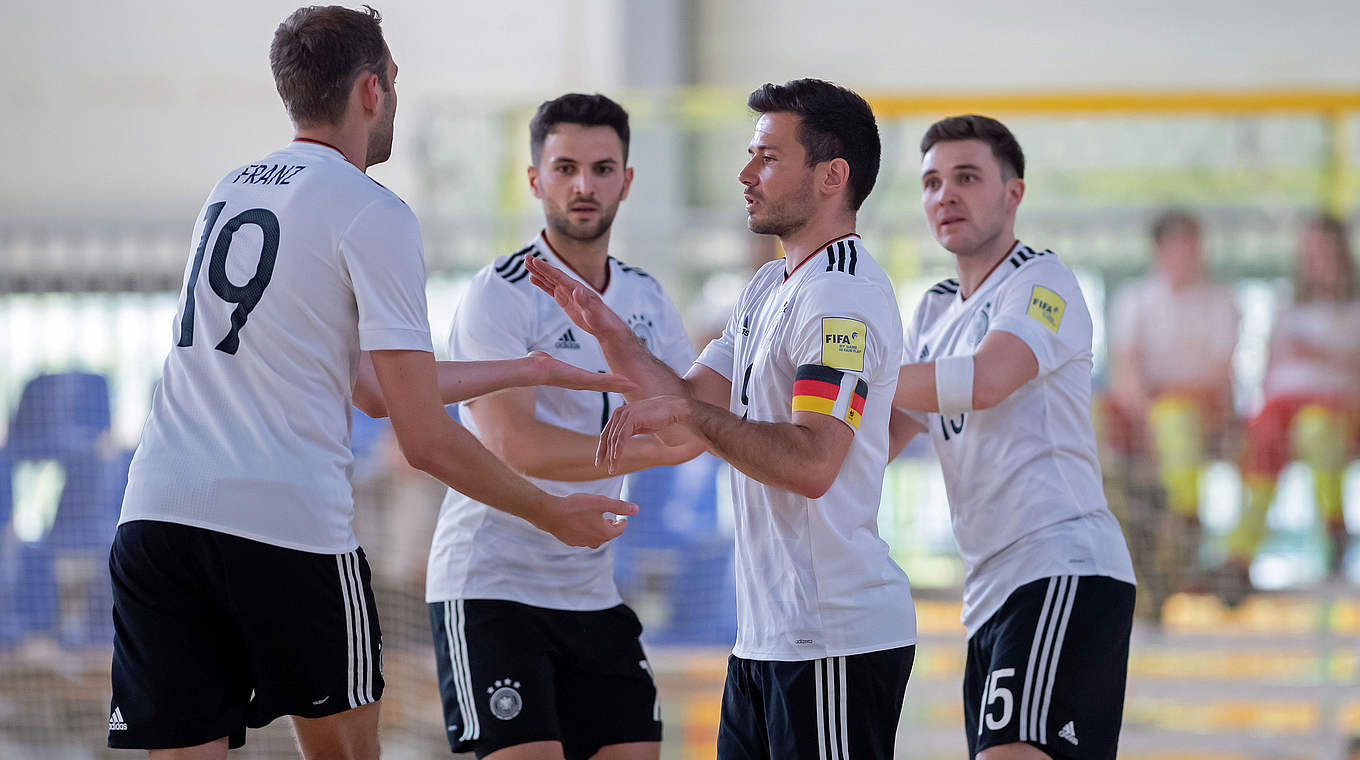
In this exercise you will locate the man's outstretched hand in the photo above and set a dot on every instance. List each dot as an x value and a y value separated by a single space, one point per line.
650 415
585 519
550 371
583 306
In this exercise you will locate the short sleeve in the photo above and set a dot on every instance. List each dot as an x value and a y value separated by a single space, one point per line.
911 338
842 332
494 320
1043 306
383 255
840 323
720 353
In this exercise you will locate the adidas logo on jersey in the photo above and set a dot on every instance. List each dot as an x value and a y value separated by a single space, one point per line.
1069 732
116 722
568 340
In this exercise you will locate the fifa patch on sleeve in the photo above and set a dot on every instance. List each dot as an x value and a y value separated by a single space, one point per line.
821 389
843 342
1046 307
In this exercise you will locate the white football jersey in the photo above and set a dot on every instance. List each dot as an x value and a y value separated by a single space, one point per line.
299 262
1022 477
814 578
480 552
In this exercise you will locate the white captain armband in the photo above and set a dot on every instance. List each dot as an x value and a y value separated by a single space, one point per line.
954 384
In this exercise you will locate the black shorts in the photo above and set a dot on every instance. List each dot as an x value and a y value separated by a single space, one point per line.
1049 667
512 673
834 708
214 633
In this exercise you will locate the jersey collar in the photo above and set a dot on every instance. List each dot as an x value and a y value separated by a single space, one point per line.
817 250
995 275
543 245
310 141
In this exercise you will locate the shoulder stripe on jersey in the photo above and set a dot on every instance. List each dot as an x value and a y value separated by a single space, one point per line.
842 257
512 259
629 269
514 270
523 274
945 287
1025 254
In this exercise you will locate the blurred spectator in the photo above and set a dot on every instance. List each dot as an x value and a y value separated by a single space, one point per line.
1312 397
1172 338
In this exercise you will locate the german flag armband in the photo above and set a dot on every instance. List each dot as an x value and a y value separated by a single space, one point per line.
821 389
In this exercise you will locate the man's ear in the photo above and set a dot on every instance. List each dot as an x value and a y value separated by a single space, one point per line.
370 86
835 177
533 182
1015 192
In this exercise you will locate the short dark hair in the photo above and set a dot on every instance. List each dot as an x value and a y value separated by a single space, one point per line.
1172 221
575 108
835 123
1005 148
317 53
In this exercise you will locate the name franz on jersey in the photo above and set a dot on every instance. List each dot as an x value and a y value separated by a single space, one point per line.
268 174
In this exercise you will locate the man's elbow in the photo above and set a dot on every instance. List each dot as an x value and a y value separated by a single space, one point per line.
420 448
420 456
371 404
814 483
989 393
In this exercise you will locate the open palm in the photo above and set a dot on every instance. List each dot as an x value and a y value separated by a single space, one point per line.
582 305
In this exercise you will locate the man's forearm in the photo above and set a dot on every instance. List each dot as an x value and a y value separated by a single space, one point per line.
458 381
628 356
542 450
457 459
916 388
780 454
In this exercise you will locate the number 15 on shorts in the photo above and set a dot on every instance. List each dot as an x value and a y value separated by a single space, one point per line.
995 691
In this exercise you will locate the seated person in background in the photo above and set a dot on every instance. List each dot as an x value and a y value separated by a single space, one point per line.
1172 338
1312 397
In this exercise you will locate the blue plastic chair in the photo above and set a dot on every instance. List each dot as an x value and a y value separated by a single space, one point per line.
61 419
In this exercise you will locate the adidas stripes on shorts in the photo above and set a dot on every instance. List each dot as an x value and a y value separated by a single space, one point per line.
1048 669
214 633
833 708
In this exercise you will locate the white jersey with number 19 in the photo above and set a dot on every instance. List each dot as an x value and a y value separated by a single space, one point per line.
299 262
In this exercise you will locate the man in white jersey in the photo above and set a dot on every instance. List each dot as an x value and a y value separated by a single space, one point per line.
998 371
796 396
537 655
240 592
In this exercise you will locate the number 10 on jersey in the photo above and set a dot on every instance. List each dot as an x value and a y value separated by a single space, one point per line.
247 296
